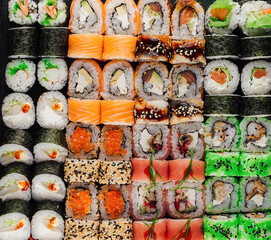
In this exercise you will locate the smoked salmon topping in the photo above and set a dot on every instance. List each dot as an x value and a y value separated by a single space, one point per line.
113 142
220 13
259 73
79 202
54 155
26 108
52 222
52 187
19 154
24 185
19 225
219 76
81 139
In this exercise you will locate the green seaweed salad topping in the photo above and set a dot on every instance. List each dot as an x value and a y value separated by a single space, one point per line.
13 70
259 19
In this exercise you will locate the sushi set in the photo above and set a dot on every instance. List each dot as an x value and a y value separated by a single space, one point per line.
143 120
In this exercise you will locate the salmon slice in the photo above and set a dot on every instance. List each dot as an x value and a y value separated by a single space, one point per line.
266 11
141 231
219 76
174 227
24 7
117 112
186 15
51 11
259 73
177 169
119 47
220 13
84 111
85 46
141 170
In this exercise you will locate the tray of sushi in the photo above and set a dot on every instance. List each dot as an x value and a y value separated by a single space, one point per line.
135 120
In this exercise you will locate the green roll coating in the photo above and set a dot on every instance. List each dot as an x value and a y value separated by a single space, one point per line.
253 106
20 137
52 136
18 206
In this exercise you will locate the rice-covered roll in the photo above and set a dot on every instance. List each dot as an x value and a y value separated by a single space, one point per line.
20 75
255 134
155 17
52 13
151 112
118 81
256 106
222 134
116 229
18 111
114 202
87 16
153 47
52 110
50 145
116 143
81 229
185 201
187 82
185 138
16 147
115 172
122 17
224 226
81 170
85 79
151 140
151 81
222 195
221 77
188 20
256 78
83 140
52 73
255 194
82 201
255 18
222 17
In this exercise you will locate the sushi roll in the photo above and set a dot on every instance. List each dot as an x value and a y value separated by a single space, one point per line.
256 106
187 82
87 16
83 140
188 20
52 13
85 79
222 17
224 226
222 134
118 81
18 111
50 145
82 202
221 77
185 138
116 143
122 17
151 112
84 170
20 75
256 78
151 81
52 73
16 206
222 195
52 110
16 147
155 17
151 140
48 167
157 48
115 172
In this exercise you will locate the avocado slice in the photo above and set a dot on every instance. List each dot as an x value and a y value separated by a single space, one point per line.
156 79
85 5
121 10
150 12
83 72
116 76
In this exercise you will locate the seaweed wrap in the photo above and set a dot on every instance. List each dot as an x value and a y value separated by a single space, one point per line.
18 206
48 167
256 105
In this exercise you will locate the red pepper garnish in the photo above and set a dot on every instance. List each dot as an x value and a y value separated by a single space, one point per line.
26 108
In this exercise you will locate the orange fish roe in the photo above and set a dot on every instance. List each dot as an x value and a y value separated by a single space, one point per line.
113 141
81 139
79 202
19 225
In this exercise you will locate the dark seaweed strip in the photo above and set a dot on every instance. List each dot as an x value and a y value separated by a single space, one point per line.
20 137
52 136
18 206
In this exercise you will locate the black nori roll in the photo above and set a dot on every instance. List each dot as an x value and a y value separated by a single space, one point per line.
16 205
20 137
49 205
17 167
49 167
256 105
53 42
51 135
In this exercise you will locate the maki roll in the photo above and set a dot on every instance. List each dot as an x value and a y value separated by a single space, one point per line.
155 17
18 111
52 13
52 73
87 16
222 17
118 81
188 20
256 106
151 140
52 110
20 75
221 77
187 82
85 79
50 145
83 140
122 17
